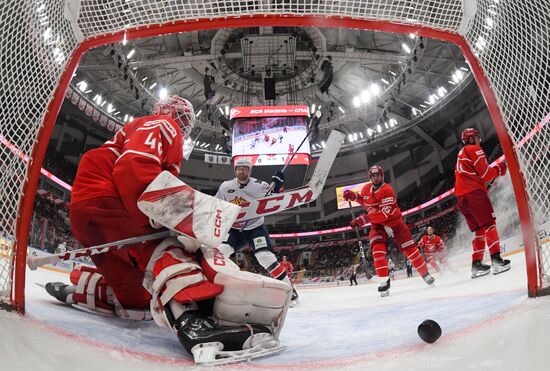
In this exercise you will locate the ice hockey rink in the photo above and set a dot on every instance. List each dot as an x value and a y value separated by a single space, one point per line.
488 323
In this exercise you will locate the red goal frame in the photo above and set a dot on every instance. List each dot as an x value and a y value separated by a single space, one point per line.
534 281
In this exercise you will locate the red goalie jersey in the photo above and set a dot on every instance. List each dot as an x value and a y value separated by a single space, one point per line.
432 244
381 204
125 165
472 170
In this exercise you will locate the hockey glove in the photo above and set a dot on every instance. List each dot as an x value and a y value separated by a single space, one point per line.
360 221
501 168
278 179
350 195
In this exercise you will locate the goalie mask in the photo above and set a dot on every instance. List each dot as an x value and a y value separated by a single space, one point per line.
245 162
180 110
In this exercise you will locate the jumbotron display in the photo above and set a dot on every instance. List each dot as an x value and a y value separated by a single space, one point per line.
270 135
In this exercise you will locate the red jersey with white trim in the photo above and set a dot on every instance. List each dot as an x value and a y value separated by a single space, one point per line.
431 245
472 170
125 165
381 204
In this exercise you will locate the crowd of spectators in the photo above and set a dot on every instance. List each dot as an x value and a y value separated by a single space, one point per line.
50 226
56 163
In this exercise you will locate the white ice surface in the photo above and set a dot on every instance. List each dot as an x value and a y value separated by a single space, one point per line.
488 324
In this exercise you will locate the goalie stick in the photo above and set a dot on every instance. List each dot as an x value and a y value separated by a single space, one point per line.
34 262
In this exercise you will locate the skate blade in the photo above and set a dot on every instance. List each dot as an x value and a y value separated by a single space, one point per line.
474 276
231 357
502 270
383 294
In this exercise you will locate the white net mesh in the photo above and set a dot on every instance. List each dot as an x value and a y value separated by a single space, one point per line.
510 37
512 41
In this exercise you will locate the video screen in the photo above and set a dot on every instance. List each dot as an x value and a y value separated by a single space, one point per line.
343 204
271 140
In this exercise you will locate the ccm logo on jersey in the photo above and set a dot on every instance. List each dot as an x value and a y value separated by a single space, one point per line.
218 223
219 258
230 191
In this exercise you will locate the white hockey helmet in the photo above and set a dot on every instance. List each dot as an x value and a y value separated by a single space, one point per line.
243 162
179 109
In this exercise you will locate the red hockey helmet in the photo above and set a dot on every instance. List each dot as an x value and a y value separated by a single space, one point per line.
376 169
468 133
179 109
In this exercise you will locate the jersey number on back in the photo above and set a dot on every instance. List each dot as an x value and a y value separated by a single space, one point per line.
152 142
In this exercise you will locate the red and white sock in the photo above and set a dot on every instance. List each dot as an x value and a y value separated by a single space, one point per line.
478 244
416 259
379 257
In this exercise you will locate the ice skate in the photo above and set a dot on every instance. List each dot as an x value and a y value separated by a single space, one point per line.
60 291
384 288
213 344
479 269
428 278
499 265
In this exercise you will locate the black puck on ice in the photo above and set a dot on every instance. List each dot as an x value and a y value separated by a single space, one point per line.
429 331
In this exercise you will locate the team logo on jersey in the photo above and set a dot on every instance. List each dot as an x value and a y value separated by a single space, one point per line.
238 201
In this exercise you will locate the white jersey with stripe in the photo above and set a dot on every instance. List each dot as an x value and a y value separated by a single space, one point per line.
238 194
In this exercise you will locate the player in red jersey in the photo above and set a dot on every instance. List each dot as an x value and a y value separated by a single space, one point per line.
434 249
378 198
290 148
472 171
160 279
289 268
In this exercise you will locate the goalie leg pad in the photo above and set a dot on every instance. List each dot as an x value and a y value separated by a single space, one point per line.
93 293
247 297
173 273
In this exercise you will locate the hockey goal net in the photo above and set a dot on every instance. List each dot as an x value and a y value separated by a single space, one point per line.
506 42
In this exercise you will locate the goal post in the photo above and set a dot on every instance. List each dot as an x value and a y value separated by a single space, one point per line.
506 43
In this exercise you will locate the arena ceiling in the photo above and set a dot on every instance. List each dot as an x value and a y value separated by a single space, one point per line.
383 84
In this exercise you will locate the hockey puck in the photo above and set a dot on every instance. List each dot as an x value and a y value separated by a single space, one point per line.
429 331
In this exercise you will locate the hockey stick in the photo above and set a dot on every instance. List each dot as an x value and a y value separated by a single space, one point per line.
35 262
290 199
360 243
310 130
